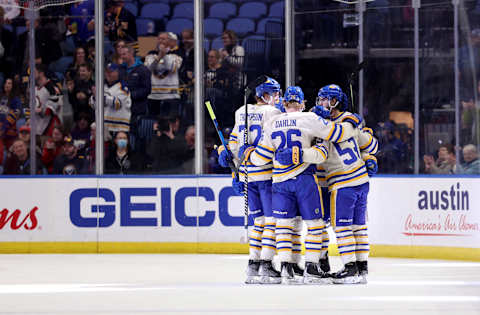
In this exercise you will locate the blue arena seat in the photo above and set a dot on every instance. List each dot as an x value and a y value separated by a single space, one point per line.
241 26
132 7
212 27
261 24
155 1
145 27
222 10
252 10
206 45
155 10
277 9
178 25
183 10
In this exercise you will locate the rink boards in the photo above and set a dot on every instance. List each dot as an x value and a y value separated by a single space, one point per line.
424 217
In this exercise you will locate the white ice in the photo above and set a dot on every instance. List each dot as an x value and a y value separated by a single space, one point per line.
213 284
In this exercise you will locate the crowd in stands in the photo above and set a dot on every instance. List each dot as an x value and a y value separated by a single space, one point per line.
148 102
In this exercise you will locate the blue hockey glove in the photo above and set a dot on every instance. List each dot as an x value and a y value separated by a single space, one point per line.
372 166
224 157
280 107
289 156
354 119
321 111
238 186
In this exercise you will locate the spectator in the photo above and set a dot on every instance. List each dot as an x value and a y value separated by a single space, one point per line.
79 59
472 163
138 79
444 163
19 163
116 57
81 24
49 103
117 101
187 54
7 41
3 149
52 148
233 58
119 22
164 98
10 110
81 133
25 135
80 91
166 147
216 78
122 160
11 11
69 163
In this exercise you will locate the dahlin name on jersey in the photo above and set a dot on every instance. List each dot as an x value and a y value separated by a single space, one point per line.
286 123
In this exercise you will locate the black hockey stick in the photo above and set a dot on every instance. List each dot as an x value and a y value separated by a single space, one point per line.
352 77
248 90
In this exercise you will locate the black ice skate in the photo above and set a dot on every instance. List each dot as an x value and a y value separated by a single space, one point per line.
298 272
268 275
252 272
362 271
289 273
348 275
314 275
325 264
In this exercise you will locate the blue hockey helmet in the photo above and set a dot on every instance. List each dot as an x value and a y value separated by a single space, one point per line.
294 93
333 91
270 86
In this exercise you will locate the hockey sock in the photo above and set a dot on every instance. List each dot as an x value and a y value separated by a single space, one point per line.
345 243
284 241
362 247
268 239
296 247
255 238
313 241
325 243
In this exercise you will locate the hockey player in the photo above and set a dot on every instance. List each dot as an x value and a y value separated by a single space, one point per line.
262 234
294 185
346 175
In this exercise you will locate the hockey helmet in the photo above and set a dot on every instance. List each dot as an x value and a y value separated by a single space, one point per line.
270 86
294 93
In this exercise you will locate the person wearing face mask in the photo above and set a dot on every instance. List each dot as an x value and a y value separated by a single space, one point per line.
121 160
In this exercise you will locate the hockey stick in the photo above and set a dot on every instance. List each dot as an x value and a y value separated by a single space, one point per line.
222 139
351 77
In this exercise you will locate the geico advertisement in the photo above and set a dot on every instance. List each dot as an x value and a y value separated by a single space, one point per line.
425 211
121 209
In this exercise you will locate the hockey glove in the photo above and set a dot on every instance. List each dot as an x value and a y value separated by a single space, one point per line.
371 164
224 157
321 111
289 156
245 151
238 186
354 119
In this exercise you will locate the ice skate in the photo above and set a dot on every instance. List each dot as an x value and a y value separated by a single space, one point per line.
289 276
362 271
298 272
348 275
325 264
268 275
252 272
314 275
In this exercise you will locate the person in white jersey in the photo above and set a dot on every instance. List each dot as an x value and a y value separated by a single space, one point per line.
262 246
